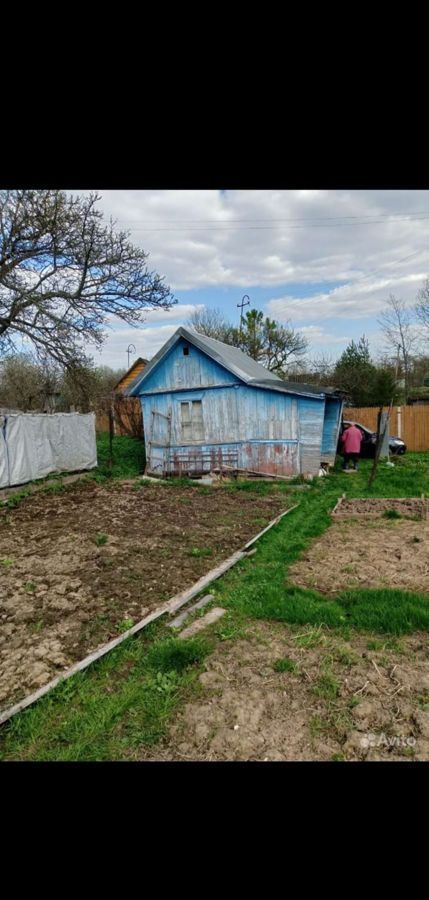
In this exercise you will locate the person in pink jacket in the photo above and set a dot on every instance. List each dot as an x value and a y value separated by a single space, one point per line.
350 445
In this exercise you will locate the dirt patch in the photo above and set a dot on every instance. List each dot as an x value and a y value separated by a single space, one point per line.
79 567
376 507
377 708
373 554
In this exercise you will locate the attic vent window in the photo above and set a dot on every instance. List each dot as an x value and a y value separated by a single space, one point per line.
186 351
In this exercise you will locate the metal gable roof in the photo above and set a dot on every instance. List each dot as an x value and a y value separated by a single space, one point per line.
232 359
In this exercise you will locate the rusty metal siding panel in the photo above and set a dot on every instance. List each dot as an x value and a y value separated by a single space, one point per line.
311 417
331 426
245 426
272 457
276 458
193 371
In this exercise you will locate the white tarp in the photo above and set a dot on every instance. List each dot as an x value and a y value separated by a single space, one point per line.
33 446
4 473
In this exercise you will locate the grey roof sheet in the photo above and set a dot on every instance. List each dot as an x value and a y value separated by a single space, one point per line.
233 358
299 387
237 362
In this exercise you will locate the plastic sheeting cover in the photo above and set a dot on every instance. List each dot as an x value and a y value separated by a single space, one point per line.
33 446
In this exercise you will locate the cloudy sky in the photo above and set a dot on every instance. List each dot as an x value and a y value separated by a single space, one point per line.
324 260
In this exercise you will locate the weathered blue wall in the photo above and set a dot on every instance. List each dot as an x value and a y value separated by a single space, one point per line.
331 425
177 371
248 427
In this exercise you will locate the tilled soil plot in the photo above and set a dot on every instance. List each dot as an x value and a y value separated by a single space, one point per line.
374 507
341 700
79 567
375 553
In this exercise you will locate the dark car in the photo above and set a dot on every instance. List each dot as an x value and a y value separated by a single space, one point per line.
368 445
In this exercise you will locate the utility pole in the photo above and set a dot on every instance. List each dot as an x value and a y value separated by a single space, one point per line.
130 349
240 307
383 422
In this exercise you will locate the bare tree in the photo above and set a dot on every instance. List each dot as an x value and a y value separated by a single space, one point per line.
64 274
20 383
322 368
396 323
422 304
276 346
212 323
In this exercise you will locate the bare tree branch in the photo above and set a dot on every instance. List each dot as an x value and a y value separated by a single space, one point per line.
396 323
64 274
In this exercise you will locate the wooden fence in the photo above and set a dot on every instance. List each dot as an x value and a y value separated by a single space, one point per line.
411 423
127 417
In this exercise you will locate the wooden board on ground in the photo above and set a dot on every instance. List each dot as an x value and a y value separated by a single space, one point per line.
212 616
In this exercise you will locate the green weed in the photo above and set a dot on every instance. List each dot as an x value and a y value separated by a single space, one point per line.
327 686
391 514
125 625
285 665
201 552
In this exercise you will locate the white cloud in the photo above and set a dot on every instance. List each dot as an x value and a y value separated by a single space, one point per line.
353 247
315 334
350 301
147 342
205 238
146 338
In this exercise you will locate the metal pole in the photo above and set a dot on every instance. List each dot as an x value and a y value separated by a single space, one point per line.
130 349
240 306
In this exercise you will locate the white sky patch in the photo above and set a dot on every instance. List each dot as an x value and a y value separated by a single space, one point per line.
206 238
350 301
331 255
146 340
315 334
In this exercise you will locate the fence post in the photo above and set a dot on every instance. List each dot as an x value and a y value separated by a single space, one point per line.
111 433
398 421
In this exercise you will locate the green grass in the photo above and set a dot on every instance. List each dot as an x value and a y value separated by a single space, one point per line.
128 458
259 588
391 514
201 552
127 700
327 686
125 625
30 587
122 704
101 539
285 665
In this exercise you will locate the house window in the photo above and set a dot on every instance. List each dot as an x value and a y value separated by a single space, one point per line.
186 351
192 420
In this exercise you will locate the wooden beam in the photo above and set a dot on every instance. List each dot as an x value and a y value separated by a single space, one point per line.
343 497
271 525
259 474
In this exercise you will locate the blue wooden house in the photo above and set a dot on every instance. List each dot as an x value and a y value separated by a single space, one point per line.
207 405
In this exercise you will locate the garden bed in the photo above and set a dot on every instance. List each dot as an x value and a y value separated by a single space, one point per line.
302 694
370 544
374 507
80 566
